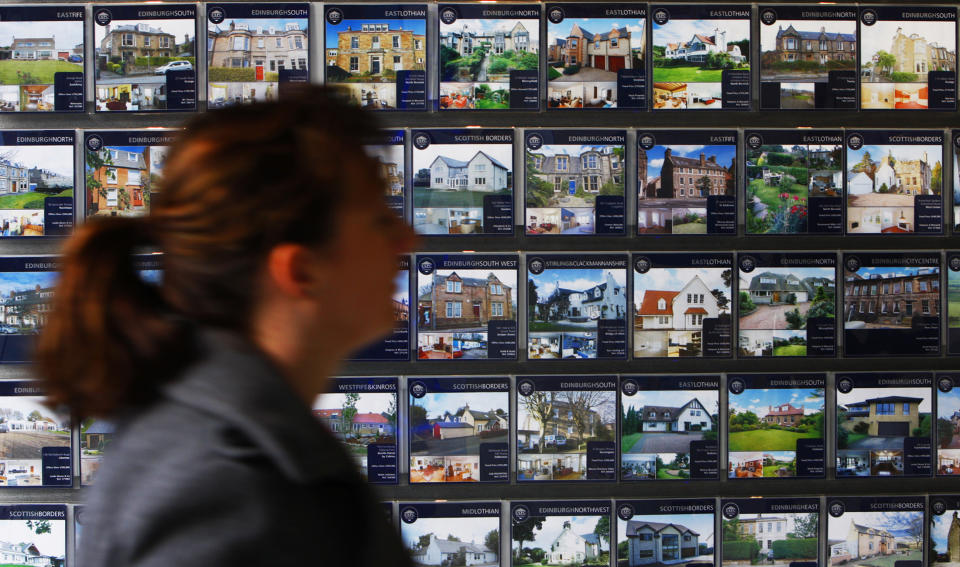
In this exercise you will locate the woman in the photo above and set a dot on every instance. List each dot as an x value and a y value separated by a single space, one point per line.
279 260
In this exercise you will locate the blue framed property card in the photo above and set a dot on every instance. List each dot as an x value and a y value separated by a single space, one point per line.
946 434
665 532
438 533
38 451
944 510
21 522
772 530
578 529
37 177
877 528
122 170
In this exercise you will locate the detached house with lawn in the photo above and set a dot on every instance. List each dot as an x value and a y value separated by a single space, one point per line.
682 310
656 542
33 49
444 552
480 173
480 421
14 178
27 554
572 548
700 46
773 289
784 415
692 416
864 541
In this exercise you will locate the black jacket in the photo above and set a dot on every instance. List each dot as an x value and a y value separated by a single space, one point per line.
230 468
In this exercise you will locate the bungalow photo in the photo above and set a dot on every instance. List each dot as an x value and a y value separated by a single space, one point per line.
95 437
889 298
670 305
674 182
455 308
657 428
25 300
246 55
800 53
27 426
896 57
389 158
944 550
448 541
948 432
452 182
363 57
557 541
778 539
882 181
483 52
765 425
37 543
873 425
659 540
555 429
33 53
359 420
133 57
775 305
563 181
689 57
453 428
28 176
781 179
875 539
583 57
120 180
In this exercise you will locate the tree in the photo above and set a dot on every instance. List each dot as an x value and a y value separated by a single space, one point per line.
795 320
936 178
527 531
392 413
602 529
744 418
582 403
727 277
911 523
417 417
865 165
492 541
703 186
34 416
451 537
39 526
95 161
944 432
885 60
722 301
731 530
424 541
540 407
805 526
746 304
347 412
532 297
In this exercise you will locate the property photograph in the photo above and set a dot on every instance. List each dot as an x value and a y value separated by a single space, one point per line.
37 543
896 57
452 183
674 182
689 57
246 55
889 298
800 53
766 423
359 419
882 181
878 420
776 539
875 539
669 539
121 180
31 54
944 544
583 57
557 541
27 426
442 542
781 179
555 427
658 426
133 57
389 159
25 300
948 432
95 437
28 175
543 345
483 52
465 300
670 305
563 181
570 302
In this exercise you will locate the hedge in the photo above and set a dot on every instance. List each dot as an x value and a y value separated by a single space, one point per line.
795 548
239 75
740 550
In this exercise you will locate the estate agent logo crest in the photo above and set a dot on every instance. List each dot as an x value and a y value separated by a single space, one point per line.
768 17
409 515
94 143
845 385
754 141
426 266
448 15
334 16
868 17
853 264
418 390
536 266
647 141
731 511
534 141
939 507
421 141
103 17
520 514
216 14
736 386
661 16
625 512
955 263
642 264
629 387
526 387
748 264
555 15
945 384
855 141
837 508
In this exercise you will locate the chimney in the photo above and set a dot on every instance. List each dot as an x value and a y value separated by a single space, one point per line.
713 159
703 160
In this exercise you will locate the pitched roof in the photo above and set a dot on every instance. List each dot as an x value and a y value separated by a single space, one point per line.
369 418
592 297
869 530
606 35
634 525
652 297
591 538
695 311
782 283
790 411
453 425
495 162
123 159
817 34
694 162
451 162
708 40
100 426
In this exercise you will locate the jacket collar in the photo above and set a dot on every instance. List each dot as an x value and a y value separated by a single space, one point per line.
232 380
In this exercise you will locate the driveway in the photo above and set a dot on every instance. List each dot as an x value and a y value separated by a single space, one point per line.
771 316
875 443
452 447
665 442
588 75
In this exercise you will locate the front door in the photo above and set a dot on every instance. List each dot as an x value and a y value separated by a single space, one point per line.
776 297
573 187
375 65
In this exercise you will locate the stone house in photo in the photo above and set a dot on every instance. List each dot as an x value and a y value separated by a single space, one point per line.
569 547
784 414
375 48
130 41
819 46
270 48
682 310
14 178
765 530
127 171
392 175
864 541
890 416
33 48
457 302
27 308
681 177
894 298
953 539
443 552
480 421
480 173
588 171
466 40
915 54
608 51
656 542
560 423
691 416
773 289
603 301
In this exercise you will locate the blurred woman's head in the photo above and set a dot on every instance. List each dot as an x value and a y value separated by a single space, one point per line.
272 222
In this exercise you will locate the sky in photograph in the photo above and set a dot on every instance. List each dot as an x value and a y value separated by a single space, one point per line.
677 30
438 403
700 523
606 406
27 404
21 281
552 527
58 159
416 25
837 528
673 399
178 27
863 394
940 528
503 153
51 544
758 400
490 25
596 26
948 403
768 34
726 154
471 529
575 279
66 35
866 272
746 278
674 279
401 286
899 152
568 149
372 402
508 277
880 35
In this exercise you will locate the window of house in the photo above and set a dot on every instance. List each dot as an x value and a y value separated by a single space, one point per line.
935 284
298 42
354 42
354 64
614 41
873 289
454 309
562 163
479 180
906 409
238 43
885 409
646 537
925 305
260 43
496 309
375 42
908 287
111 175
453 286
418 44
923 285
396 41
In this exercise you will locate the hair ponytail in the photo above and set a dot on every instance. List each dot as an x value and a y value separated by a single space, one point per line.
113 338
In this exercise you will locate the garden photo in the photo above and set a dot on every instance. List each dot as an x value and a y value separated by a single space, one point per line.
31 56
556 541
28 176
453 541
359 419
774 539
659 540
876 539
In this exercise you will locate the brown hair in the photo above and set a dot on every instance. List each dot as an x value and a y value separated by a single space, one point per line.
236 183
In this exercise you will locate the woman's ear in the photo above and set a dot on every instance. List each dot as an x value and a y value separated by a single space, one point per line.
292 270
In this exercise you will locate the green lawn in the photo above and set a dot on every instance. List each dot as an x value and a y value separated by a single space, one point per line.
436 198
771 470
891 560
29 200
953 308
690 228
41 71
552 74
768 440
853 438
664 475
790 350
771 195
628 441
489 104
692 74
